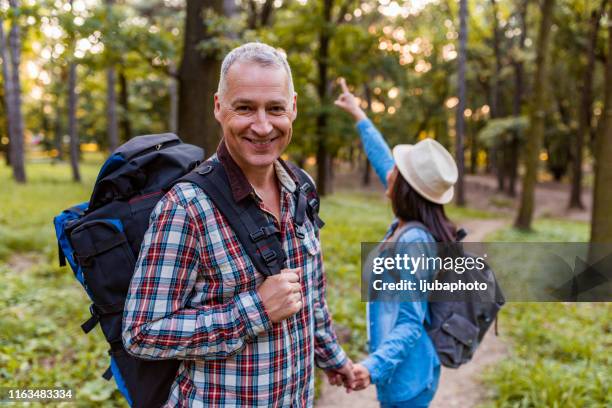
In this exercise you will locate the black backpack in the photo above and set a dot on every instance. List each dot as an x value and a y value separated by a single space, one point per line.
101 239
457 327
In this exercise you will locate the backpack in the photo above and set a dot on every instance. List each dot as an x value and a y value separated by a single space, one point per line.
101 239
457 327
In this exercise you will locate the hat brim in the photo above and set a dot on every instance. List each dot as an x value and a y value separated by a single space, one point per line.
401 154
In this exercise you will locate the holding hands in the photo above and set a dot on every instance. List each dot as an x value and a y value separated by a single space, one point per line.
348 102
354 377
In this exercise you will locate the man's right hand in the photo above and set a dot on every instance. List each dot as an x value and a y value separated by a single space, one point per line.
281 294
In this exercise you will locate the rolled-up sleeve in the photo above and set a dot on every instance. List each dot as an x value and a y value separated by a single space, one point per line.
158 322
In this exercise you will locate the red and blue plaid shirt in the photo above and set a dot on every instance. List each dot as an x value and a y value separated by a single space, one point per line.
193 297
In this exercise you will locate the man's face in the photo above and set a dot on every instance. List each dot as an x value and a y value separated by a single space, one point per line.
256 113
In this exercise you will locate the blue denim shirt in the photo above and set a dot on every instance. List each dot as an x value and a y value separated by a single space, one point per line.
402 361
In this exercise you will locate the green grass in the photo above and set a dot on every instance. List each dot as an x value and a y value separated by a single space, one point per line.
560 354
545 230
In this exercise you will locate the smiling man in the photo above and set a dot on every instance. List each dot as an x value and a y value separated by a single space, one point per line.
244 339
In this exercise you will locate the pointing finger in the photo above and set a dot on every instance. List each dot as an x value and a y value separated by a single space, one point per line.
343 85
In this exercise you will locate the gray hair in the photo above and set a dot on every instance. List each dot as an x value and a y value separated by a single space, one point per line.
255 52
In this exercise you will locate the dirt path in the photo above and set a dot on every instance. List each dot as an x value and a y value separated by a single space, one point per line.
458 388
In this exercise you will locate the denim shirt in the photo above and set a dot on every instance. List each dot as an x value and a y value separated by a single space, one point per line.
402 361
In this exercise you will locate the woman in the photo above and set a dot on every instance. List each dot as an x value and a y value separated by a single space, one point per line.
419 180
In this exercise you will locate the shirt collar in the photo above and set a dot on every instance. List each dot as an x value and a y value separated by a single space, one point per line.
239 184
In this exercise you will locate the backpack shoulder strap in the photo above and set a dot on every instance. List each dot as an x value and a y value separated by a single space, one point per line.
307 197
259 237
410 225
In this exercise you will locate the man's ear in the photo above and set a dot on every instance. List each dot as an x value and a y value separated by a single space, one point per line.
294 110
217 110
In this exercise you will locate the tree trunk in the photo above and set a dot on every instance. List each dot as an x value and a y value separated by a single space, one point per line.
124 102
461 87
537 114
13 92
500 150
72 123
8 89
586 108
601 222
112 128
174 101
519 74
322 56
198 80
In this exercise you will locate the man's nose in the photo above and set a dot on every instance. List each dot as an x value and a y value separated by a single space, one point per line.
261 126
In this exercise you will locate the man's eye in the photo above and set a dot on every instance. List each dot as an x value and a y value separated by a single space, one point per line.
242 108
277 109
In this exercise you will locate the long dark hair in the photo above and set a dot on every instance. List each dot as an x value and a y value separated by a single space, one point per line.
409 205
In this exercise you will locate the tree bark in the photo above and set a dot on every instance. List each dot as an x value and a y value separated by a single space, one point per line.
537 114
124 102
198 79
461 87
8 89
174 101
322 67
13 92
72 123
500 148
601 222
519 74
112 127
586 109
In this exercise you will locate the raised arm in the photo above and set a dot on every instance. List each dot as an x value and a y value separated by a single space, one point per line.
374 144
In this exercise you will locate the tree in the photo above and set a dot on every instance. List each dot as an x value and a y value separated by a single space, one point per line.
517 102
12 91
72 107
198 77
112 127
586 109
536 120
601 222
460 121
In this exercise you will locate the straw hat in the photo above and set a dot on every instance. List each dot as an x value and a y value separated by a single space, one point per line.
429 168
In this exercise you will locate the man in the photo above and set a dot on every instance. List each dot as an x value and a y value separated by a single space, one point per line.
245 340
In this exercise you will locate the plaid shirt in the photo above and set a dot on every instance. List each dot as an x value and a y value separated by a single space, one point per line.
193 297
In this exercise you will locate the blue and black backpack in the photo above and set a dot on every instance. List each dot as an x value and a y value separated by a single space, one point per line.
100 240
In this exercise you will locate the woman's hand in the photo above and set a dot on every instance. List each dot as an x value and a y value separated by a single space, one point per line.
362 377
347 102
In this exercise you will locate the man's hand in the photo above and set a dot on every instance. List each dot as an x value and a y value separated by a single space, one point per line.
362 377
348 102
281 294
342 376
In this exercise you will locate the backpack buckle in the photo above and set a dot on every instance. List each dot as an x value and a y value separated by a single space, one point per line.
92 321
257 235
314 204
298 231
269 256
205 170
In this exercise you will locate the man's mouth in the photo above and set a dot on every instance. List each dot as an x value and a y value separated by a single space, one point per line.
261 142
